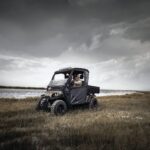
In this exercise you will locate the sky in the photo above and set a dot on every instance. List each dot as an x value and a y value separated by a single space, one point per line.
111 38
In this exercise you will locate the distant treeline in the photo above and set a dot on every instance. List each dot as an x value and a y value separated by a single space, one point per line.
19 87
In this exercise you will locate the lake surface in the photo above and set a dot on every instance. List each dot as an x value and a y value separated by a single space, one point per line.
23 93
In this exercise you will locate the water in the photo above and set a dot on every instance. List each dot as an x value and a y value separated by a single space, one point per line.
115 92
20 93
24 93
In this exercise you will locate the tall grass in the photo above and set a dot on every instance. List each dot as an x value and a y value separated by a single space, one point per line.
120 123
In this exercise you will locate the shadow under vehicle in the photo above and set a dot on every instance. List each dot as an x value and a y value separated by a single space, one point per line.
67 88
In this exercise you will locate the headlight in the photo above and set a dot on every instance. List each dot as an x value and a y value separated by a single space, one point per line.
54 93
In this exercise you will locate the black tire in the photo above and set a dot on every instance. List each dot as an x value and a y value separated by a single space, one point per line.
42 104
59 107
93 104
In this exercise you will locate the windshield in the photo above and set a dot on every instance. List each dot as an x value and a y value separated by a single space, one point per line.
59 79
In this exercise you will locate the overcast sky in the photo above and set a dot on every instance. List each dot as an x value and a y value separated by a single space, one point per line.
111 38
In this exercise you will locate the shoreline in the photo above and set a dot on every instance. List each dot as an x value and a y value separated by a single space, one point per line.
21 93
98 96
21 87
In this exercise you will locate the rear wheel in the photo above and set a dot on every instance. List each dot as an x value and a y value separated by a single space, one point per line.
59 107
93 104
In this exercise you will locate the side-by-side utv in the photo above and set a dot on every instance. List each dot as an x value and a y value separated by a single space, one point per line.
68 87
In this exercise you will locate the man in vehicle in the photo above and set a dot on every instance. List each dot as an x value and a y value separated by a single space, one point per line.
77 81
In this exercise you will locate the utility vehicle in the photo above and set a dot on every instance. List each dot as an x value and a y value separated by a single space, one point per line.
67 88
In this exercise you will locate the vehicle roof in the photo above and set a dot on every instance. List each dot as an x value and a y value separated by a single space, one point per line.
70 69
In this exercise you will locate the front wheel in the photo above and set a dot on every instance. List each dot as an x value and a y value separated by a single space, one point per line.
42 104
59 107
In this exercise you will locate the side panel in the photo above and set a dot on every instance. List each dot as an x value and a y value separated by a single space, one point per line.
78 95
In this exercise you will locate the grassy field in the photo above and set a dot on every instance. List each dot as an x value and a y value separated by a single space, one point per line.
120 123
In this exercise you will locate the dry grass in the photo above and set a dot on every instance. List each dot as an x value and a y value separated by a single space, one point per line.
120 123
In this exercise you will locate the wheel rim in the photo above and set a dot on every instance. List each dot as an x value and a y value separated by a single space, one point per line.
94 103
61 109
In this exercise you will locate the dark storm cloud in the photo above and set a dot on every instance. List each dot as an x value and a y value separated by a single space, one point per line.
139 30
49 27
115 10
105 10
